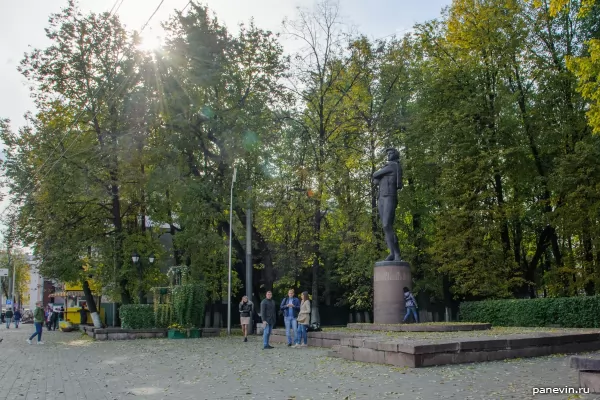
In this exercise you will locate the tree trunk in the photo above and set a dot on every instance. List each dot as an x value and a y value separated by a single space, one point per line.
91 304
263 250
112 167
588 259
504 235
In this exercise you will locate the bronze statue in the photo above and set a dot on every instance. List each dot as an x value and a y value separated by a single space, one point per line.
389 179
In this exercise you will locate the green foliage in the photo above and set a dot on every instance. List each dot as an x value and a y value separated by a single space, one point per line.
137 316
568 312
17 263
487 104
189 301
163 314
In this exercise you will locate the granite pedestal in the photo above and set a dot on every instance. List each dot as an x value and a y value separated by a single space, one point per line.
589 372
389 278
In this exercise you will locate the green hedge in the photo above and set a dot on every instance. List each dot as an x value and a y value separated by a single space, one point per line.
137 316
568 312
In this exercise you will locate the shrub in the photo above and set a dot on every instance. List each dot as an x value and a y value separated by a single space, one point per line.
163 315
567 312
188 304
137 316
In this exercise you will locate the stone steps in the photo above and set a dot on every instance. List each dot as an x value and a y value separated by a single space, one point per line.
438 327
334 351
416 354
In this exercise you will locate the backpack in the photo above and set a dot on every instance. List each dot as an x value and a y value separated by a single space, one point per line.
313 326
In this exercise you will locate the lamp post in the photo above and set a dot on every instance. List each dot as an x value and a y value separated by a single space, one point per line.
229 273
249 253
135 257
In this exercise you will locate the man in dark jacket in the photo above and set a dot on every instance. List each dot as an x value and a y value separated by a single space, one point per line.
268 314
8 316
17 318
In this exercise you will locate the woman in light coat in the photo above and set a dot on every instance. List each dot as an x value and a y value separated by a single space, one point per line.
303 321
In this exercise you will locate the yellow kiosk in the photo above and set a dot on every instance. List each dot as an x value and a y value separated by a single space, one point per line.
75 300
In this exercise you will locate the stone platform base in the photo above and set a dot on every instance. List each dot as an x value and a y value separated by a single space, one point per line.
589 372
417 354
132 334
421 327
317 339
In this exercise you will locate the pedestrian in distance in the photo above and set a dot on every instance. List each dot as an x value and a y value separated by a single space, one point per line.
8 317
54 319
38 320
268 313
17 318
83 315
48 318
290 306
303 321
411 305
246 313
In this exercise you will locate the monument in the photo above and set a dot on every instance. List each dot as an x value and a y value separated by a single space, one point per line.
392 274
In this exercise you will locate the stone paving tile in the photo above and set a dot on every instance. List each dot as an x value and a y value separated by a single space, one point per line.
72 367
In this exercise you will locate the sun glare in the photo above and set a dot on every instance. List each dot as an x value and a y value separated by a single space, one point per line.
151 42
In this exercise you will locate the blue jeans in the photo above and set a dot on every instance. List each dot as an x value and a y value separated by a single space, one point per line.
16 321
38 331
267 334
8 321
302 333
414 312
290 322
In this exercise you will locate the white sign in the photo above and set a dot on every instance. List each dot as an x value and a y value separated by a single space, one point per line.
3 272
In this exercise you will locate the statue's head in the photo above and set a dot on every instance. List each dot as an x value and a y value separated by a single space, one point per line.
392 154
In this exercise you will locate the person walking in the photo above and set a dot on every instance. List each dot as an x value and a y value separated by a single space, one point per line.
38 320
269 317
290 307
411 305
303 321
54 319
8 317
17 318
246 312
83 315
48 317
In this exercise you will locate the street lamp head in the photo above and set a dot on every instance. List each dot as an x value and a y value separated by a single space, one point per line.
135 257
151 258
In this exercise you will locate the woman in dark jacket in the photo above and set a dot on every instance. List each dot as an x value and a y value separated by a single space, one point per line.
246 312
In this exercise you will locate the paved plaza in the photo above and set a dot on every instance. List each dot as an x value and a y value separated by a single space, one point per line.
70 366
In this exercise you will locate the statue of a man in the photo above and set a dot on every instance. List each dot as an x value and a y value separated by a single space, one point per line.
389 179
